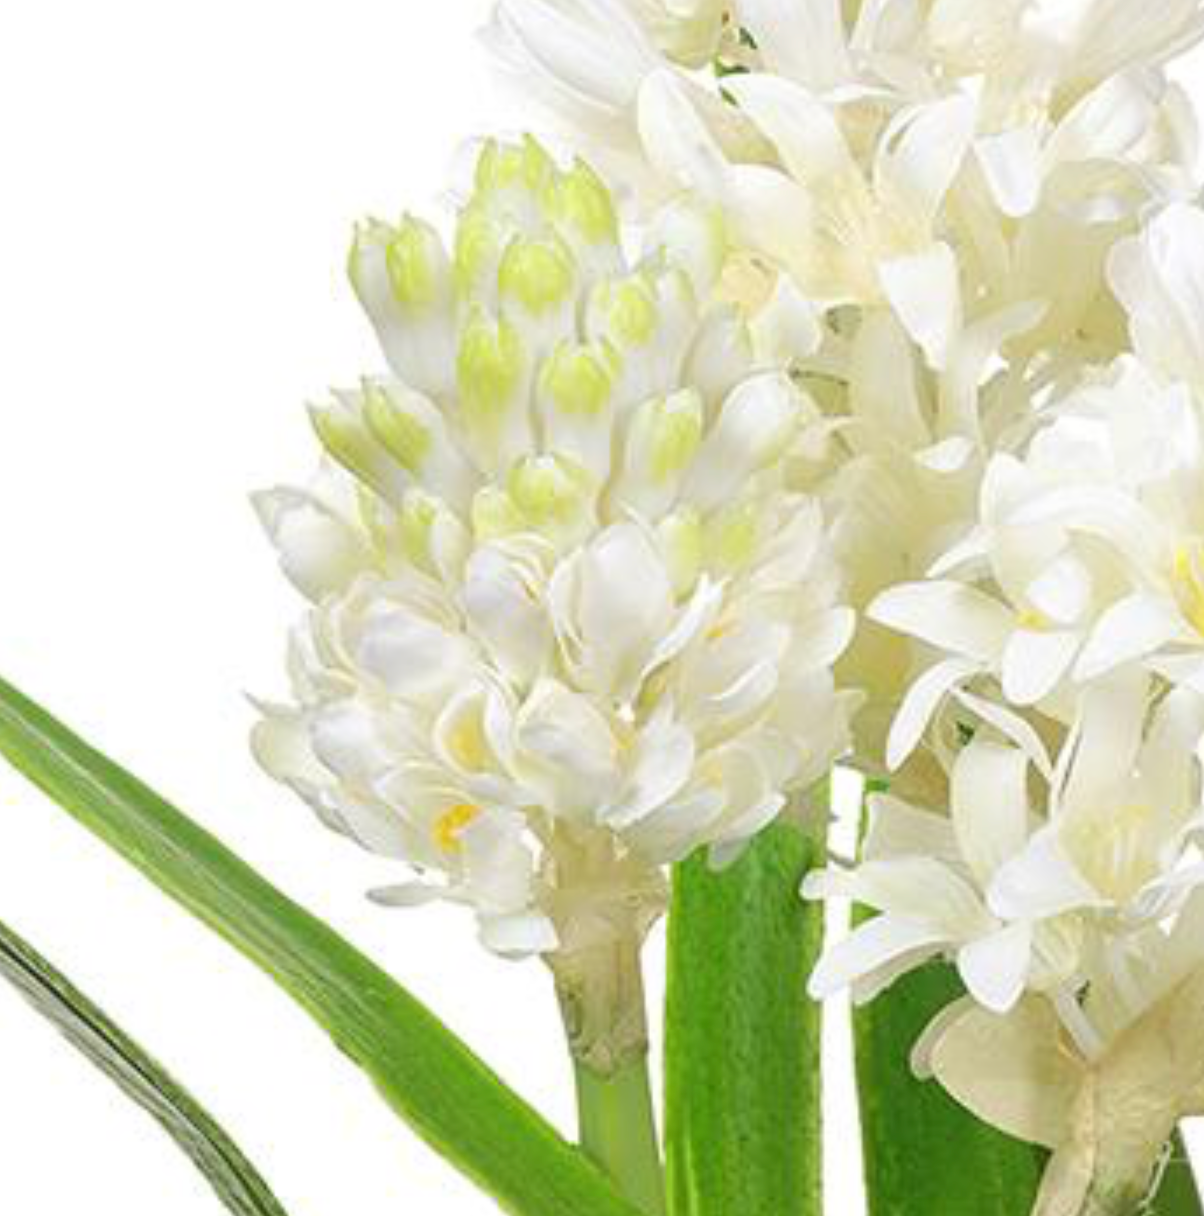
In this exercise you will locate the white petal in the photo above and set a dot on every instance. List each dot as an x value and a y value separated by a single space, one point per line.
501 608
804 39
826 636
413 657
1034 661
896 829
1159 278
1062 591
756 423
995 968
663 763
1107 122
921 153
1011 1071
922 890
1011 163
922 701
771 214
676 139
870 946
925 292
320 553
698 616
1133 628
566 752
788 327
348 740
1011 725
407 895
948 615
990 809
519 934
613 604
598 63
800 126
1039 882
1111 722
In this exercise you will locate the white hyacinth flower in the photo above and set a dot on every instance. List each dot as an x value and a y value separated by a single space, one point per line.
568 623
1107 1101
1020 891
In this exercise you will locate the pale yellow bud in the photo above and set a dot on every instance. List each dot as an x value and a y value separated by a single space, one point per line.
419 273
538 274
344 434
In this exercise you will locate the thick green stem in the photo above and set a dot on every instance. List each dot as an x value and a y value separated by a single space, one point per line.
618 1130
742 1040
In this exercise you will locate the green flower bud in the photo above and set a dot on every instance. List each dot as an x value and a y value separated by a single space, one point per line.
478 248
673 435
578 380
344 434
539 274
682 542
663 438
628 311
495 514
580 202
504 167
417 264
490 367
430 535
402 433
550 491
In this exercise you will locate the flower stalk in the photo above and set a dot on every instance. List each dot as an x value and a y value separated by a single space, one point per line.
601 993
618 1130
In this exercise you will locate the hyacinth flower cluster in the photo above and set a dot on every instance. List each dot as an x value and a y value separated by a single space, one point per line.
569 622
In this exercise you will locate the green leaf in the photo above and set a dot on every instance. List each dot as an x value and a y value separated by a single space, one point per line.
425 1073
234 1179
742 1040
924 1154
1178 1194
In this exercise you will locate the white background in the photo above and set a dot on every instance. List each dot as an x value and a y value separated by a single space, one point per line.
178 185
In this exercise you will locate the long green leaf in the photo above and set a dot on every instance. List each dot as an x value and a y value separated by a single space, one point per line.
426 1074
234 1179
742 1040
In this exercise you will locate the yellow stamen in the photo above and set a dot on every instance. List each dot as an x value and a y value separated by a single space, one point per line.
1030 618
452 823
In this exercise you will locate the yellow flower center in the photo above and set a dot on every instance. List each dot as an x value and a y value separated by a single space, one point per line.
451 824
1030 618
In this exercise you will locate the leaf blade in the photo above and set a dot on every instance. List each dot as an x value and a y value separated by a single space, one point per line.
742 1080
236 1182
429 1077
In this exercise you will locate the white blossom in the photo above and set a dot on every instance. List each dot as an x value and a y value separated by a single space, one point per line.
568 622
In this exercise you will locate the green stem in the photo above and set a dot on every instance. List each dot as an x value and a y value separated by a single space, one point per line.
601 992
618 1130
